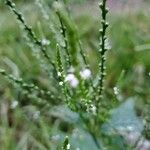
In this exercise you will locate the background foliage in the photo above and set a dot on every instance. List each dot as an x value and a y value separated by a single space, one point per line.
128 68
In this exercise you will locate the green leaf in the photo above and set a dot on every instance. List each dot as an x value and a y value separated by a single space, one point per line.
124 117
65 114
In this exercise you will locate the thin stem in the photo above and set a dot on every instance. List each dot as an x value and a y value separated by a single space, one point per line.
103 49
88 128
61 76
66 46
26 86
66 145
30 32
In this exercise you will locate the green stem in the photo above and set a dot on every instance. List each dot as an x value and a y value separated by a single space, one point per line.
103 49
31 33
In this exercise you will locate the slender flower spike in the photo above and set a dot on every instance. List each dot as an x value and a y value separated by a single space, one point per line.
85 74
31 34
26 86
64 34
66 144
72 80
103 48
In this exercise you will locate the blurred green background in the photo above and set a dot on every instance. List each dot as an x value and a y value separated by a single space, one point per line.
128 66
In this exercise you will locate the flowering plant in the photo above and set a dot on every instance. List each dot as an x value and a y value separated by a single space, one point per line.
71 80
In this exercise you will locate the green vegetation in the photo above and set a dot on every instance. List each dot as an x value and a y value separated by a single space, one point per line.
38 106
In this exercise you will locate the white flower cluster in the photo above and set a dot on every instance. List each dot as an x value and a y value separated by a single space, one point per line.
73 80
85 74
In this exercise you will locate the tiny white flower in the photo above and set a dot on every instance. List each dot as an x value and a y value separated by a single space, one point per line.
14 104
68 147
45 42
60 83
59 74
72 80
85 74
93 109
70 77
74 83
116 90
